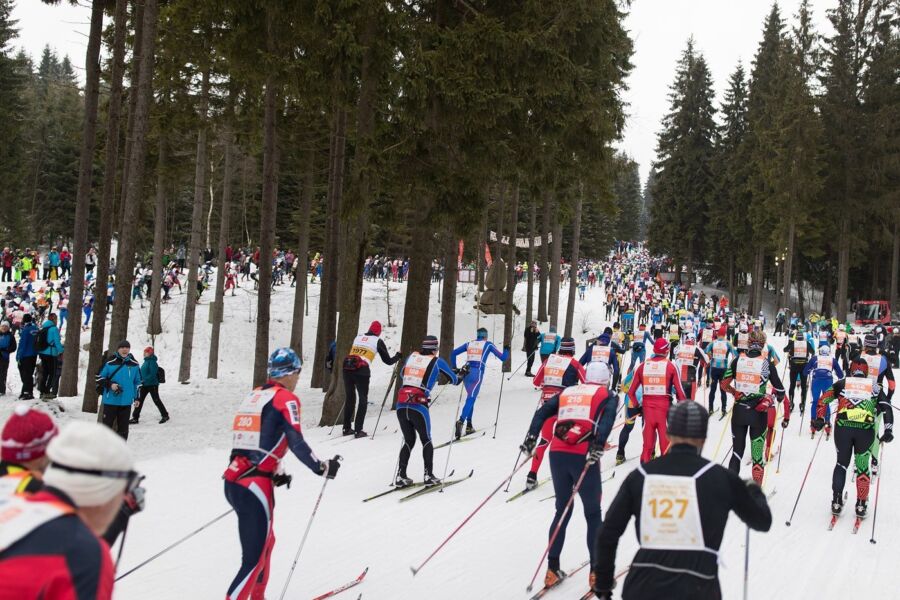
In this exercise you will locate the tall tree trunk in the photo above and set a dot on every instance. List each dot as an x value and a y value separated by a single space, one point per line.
418 287
760 276
732 281
98 331
212 371
689 262
801 300
895 268
327 320
529 301
134 192
555 256
573 269
137 17
154 322
302 277
193 256
69 383
448 296
508 319
789 264
267 212
546 208
479 254
355 216
843 269
827 292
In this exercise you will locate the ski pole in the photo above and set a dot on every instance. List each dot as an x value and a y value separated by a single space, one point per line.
562 518
306 533
167 548
467 519
462 388
877 490
499 398
803 483
722 435
780 452
386 394
509 481
524 362
724 458
746 561
339 417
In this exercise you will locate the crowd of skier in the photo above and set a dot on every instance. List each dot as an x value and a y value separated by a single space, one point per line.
672 356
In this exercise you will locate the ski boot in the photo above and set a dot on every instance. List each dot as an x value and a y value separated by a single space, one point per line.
758 472
431 480
360 434
347 431
837 505
531 481
873 468
469 429
827 432
458 431
802 407
133 421
529 374
861 509
402 481
620 458
554 576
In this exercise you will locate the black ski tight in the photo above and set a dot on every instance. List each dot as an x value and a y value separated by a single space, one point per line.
415 420
796 371
848 441
744 420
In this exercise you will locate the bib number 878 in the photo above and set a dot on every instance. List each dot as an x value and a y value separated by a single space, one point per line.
662 509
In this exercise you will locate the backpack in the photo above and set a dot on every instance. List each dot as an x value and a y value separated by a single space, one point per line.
160 374
41 342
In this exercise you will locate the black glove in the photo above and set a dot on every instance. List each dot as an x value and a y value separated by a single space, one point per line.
464 370
604 593
135 500
887 436
280 479
594 453
818 423
397 356
330 467
785 422
529 444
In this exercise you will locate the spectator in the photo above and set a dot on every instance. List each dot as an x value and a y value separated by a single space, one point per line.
50 348
118 381
26 356
149 385
7 346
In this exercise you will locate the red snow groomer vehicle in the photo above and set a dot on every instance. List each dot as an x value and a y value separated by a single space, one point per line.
870 313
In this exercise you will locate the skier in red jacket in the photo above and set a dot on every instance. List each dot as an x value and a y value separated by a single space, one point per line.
658 376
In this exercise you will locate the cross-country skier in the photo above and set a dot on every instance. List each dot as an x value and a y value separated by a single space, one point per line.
357 373
558 372
860 401
798 349
604 350
741 341
689 359
477 352
583 416
658 377
747 380
681 503
879 372
824 368
721 353
550 342
420 374
266 425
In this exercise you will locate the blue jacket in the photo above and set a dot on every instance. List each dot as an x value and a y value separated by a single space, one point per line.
824 374
53 258
150 371
489 348
128 377
26 342
54 343
550 342
7 345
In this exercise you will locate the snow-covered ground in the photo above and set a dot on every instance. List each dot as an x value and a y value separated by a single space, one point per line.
494 556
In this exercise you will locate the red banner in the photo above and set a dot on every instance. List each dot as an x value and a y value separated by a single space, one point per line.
487 255
462 247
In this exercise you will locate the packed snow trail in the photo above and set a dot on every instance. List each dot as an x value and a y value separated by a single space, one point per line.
494 555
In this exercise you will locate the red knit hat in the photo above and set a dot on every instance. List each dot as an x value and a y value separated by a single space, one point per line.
661 346
148 350
375 327
26 434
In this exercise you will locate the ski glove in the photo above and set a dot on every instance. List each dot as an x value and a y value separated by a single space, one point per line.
886 437
594 454
785 422
136 500
529 444
330 467
280 479
765 403
397 356
818 423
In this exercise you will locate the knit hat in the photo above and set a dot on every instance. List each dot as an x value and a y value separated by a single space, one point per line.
123 344
375 327
90 447
429 344
148 350
26 434
597 372
482 333
687 419
567 346
859 368
283 362
661 346
824 350
870 341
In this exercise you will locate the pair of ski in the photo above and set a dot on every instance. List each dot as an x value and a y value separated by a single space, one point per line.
466 438
834 518
547 589
344 587
423 489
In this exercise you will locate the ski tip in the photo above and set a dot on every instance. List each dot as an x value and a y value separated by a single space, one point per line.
472 472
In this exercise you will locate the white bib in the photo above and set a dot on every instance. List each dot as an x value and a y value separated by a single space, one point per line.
18 517
670 512
748 378
555 369
365 347
245 427
475 350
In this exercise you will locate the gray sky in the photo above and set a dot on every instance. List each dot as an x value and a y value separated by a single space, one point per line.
725 31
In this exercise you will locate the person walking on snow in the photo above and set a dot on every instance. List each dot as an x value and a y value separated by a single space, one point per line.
477 352
118 382
559 371
824 368
266 426
678 557
149 386
747 380
657 376
583 416
860 401
357 373
7 347
689 359
50 349
419 375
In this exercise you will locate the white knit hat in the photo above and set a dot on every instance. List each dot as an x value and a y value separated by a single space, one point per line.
88 446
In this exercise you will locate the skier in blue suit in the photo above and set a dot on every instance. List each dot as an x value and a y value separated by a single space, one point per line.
477 352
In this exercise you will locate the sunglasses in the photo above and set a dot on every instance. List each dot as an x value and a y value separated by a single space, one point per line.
133 478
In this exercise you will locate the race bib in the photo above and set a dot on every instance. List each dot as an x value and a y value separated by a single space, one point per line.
858 388
555 369
720 351
655 377
748 378
247 422
670 514
415 368
800 349
474 351
600 353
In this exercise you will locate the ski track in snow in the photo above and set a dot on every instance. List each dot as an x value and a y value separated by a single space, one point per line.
494 556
